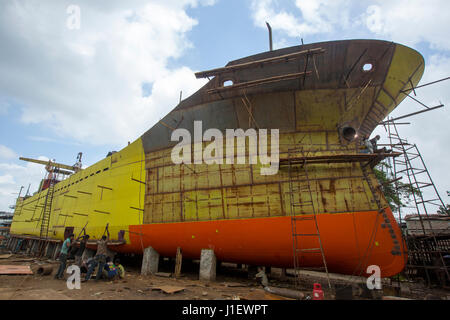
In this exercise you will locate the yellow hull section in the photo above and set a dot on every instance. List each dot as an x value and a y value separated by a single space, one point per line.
103 193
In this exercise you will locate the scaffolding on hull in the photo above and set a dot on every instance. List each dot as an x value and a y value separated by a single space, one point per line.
427 248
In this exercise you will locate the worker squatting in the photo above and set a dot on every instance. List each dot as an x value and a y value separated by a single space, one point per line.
105 267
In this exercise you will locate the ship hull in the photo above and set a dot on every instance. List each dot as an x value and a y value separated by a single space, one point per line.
268 241
244 216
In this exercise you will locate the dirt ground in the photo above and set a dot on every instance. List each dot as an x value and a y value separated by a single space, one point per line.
132 287
231 284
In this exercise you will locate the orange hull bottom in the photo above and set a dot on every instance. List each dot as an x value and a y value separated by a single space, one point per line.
351 241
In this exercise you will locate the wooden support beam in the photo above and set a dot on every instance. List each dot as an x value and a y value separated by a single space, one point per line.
412 114
178 261
253 83
246 65
424 85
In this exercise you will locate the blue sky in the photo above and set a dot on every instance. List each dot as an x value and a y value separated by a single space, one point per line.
93 89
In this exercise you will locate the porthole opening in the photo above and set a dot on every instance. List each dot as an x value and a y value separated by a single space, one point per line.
367 67
349 133
228 83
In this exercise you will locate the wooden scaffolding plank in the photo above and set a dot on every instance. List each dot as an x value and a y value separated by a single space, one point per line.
246 65
12 269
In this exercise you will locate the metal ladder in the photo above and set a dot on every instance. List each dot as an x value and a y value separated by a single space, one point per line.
46 211
297 207
18 211
414 168
45 217
399 166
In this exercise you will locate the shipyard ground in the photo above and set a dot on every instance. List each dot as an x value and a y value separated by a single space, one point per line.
231 284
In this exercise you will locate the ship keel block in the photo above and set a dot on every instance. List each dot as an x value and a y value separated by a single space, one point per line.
150 262
208 264
352 241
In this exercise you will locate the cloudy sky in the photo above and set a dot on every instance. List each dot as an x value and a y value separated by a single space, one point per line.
65 89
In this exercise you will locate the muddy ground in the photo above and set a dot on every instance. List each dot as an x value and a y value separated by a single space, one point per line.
231 284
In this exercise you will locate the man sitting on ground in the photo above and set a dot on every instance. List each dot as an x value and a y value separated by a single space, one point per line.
109 272
120 269
89 265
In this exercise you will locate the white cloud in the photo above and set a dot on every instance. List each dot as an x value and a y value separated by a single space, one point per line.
411 21
374 20
264 11
7 153
54 141
87 84
280 43
208 2
4 106
6 179
309 17
13 176
406 21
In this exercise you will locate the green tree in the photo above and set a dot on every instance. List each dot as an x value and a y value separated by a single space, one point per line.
444 210
389 187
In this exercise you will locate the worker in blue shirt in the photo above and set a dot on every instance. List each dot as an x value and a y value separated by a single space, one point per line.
63 256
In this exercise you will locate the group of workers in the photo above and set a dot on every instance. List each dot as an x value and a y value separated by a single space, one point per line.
371 146
106 268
